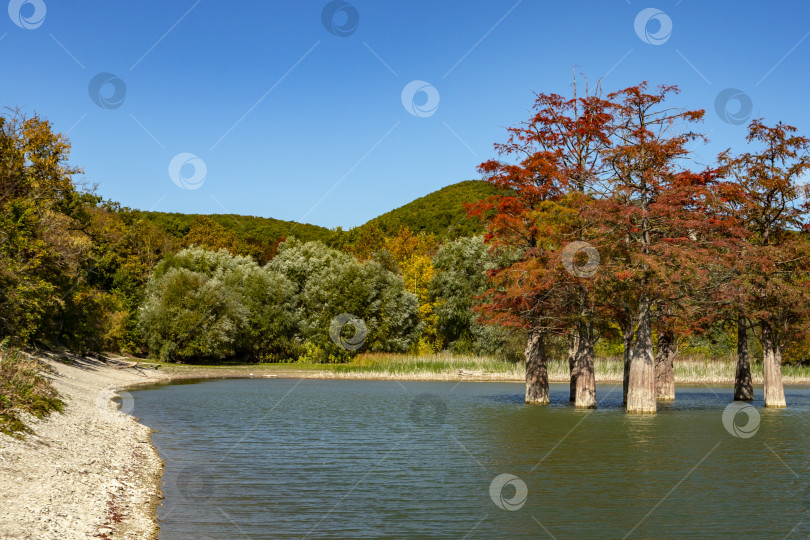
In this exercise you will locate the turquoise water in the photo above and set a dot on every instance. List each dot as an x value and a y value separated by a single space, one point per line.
285 458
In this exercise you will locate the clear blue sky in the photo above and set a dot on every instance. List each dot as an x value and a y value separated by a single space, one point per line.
331 142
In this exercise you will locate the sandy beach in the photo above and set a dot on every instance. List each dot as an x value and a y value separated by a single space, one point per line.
90 472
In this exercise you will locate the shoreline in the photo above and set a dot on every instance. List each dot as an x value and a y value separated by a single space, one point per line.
89 472
93 471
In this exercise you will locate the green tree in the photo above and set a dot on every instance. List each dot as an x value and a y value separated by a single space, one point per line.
269 330
207 233
190 310
461 276
42 242
330 283
211 304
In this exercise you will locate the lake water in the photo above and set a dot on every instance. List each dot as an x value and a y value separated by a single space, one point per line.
285 458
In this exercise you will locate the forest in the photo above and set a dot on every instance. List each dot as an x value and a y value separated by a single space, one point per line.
593 231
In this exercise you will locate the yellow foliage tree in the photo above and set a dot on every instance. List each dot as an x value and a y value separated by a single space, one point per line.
418 272
207 233
407 244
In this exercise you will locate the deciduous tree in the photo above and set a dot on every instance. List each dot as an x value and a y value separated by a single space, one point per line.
550 169
773 269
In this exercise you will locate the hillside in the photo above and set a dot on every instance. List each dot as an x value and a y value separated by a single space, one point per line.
441 213
245 227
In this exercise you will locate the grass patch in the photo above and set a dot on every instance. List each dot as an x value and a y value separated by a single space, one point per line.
441 363
447 366
23 389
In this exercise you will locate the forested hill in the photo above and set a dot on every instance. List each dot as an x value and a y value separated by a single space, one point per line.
441 213
245 227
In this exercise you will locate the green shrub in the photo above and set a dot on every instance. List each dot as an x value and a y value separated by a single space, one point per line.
23 390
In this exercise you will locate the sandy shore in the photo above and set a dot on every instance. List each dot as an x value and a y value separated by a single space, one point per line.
90 472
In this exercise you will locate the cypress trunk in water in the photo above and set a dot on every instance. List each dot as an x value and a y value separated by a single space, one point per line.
536 370
743 385
641 386
628 350
665 366
585 395
573 346
772 368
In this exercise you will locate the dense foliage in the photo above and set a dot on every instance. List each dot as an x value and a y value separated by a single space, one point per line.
460 281
245 235
441 214
72 267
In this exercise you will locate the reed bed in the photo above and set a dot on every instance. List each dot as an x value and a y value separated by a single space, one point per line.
445 366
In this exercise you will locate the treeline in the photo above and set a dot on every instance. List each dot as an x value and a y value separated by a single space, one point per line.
87 274
441 214
242 235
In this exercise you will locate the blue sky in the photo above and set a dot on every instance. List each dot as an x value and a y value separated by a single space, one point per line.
274 115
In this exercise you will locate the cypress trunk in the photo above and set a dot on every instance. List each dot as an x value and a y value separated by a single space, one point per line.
772 368
641 386
627 336
743 384
665 366
573 347
585 395
536 370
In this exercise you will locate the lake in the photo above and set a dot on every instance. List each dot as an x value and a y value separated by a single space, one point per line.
287 458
